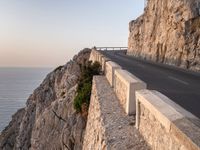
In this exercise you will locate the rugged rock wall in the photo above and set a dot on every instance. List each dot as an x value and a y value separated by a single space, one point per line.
168 32
49 120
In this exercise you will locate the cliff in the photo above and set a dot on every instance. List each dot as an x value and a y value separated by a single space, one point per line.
168 32
49 120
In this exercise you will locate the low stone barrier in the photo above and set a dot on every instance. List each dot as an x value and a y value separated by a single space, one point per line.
108 127
164 124
125 86
100 56
94 56
97 56
110 70
103 63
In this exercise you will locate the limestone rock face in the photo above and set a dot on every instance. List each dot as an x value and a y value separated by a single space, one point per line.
49 120
168 32
8 136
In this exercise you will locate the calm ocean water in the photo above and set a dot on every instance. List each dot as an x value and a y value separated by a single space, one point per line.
16 84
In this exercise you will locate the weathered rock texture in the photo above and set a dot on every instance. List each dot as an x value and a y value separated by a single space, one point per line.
108 126
168 32
49 120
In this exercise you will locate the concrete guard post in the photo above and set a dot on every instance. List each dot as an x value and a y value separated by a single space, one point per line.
126 84
100 58
97 56
104 60
159 117
94 56
109 71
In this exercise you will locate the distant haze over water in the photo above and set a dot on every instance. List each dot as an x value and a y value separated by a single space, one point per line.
16 84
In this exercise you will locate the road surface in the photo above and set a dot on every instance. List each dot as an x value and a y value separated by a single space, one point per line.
181 86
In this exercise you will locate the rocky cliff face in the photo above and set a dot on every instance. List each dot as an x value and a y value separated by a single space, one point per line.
49 120
168 32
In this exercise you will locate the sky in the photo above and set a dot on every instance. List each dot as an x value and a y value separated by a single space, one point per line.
48 33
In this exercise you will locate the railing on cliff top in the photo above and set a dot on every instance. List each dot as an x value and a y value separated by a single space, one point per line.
111 48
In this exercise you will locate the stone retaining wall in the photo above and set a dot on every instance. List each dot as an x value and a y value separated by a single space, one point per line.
95 131
94 55
164 124
97 56
108 127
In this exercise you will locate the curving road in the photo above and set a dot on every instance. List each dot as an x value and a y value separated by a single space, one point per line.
182 86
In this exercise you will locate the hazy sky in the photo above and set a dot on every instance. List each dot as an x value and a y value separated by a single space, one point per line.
47 33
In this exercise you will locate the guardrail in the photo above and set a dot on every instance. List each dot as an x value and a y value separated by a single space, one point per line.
111 48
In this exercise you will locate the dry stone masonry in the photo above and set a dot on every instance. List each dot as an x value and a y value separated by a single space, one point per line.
108 127
168 32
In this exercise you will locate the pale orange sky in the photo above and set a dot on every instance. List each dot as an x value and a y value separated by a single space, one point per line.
48 33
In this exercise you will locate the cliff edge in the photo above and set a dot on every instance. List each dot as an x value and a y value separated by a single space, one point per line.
49 120
168 32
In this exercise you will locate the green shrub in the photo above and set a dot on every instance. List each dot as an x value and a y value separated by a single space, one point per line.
83 96
88 70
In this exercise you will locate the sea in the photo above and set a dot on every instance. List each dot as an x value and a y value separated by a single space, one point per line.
16 84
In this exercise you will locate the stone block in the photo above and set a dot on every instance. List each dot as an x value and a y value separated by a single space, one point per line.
103 64
97 56
92 55
160 119
158 107
109 71
125 86
187 133
100 56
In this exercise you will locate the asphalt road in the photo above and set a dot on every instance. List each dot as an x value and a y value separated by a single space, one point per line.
181 86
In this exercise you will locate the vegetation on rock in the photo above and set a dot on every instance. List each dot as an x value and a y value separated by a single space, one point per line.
85 84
